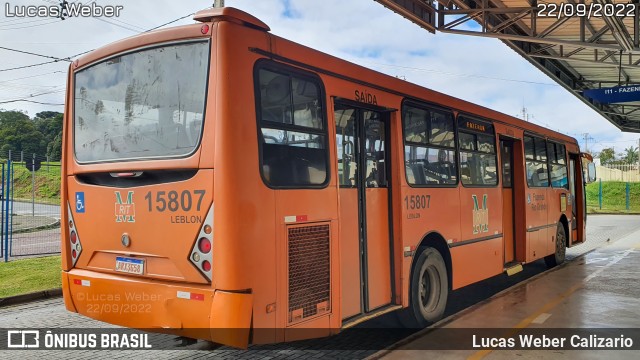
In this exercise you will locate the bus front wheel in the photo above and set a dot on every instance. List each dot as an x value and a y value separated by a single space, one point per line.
429 290
557 258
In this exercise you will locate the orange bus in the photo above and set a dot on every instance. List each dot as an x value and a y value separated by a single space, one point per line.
219 180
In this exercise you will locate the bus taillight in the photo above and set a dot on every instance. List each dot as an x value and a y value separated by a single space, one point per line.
206 266
204 245
74 239
201 254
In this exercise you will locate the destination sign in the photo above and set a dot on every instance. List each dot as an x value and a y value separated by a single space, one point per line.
464 123
617 94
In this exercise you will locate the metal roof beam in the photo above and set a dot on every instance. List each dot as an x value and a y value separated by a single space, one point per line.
421 12
608 55
594 62
505 24
598 34
492 10
536 40
618 29
553 27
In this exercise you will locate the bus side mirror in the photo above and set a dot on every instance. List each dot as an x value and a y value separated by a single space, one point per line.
591 173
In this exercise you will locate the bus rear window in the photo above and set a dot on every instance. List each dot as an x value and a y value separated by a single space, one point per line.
140 105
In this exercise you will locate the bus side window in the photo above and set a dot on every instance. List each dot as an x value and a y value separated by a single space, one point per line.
429 146
557 165
478 159
535 153
292 135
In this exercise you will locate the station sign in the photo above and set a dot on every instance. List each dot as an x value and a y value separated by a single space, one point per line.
32 164
617 94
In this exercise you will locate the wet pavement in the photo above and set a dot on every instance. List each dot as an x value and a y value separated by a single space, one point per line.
595 295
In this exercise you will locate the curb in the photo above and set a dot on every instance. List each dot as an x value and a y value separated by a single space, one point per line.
24 298
52 225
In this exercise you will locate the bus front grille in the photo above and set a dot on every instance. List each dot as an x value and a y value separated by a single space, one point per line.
309 271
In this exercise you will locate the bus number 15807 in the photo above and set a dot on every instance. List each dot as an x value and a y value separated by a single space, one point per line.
174 201
416 202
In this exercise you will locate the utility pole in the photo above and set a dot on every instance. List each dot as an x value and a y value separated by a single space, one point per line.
525 115
586 141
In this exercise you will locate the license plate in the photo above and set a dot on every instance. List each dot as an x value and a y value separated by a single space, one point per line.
129 265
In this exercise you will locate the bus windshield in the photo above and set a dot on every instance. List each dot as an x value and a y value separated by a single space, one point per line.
145 104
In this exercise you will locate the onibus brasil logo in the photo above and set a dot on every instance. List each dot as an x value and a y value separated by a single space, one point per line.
125 210
480 215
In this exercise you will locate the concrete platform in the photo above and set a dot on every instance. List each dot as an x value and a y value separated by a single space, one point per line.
598 292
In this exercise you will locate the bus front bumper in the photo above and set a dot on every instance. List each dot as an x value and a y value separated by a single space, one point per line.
195 311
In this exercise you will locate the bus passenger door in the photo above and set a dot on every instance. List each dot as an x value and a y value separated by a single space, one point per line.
576 189
365 255
508 208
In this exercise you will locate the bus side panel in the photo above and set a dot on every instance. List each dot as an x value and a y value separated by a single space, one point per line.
476 261
439 216
553 217
66 150
349 250
481 252
244 219
536 223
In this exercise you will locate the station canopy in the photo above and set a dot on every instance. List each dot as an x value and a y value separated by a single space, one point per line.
581 44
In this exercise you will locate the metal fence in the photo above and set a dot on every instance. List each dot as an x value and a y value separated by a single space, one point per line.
30 218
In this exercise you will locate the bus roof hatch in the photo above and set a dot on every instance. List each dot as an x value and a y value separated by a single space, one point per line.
230 14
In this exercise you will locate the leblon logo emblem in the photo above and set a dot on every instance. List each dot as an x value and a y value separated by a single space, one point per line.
125 211
480 215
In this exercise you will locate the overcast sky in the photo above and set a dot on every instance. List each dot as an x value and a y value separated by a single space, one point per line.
483 71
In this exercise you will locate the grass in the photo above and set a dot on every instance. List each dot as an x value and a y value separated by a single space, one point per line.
29 275
47 181
613 198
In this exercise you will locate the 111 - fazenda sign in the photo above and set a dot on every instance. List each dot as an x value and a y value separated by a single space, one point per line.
617 94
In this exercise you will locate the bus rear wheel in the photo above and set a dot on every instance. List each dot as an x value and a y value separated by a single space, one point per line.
429 290
558 257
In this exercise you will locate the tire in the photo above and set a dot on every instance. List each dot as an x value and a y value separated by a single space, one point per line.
558 257
429 290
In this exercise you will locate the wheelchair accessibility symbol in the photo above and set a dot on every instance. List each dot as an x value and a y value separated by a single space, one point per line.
80 202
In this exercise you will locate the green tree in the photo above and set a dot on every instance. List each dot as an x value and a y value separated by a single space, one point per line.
631 155
18 133
54 149
47 114
49 125
607 156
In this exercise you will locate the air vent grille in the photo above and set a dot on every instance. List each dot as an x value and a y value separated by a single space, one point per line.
309 271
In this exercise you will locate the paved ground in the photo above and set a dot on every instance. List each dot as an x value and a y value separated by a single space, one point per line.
27 208
26 223
37 243
595 295
51 313
33 236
